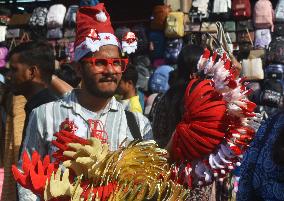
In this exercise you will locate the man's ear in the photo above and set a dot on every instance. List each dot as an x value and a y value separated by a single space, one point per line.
33 72
130 83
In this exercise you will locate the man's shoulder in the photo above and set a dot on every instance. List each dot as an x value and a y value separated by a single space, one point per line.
50 105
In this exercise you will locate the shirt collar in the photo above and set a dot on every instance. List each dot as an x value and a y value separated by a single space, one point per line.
71 101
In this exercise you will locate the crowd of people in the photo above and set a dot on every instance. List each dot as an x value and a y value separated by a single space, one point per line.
37 100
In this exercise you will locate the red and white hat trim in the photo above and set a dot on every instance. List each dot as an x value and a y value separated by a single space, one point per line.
93 45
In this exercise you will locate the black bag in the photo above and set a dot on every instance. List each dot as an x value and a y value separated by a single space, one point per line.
275 52
173 48
272 93
70 17
279 29
38 17
244 25
274 71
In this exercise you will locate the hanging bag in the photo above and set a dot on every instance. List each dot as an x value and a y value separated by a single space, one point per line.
263 15
159 17
38 17
3 31
185 5
55 16
175 25
279 11
70 17
175 4
252 69
221 9
275 52
241 9
262 38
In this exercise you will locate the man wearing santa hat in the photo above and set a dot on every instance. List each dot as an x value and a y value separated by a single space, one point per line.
100 54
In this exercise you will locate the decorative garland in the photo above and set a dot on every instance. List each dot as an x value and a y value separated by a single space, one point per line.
217 126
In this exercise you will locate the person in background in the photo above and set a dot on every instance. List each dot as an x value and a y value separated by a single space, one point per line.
168 111
127 90
262 169
29 78
30 73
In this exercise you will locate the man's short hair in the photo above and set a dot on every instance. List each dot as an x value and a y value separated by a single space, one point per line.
130 74
38 53
67 73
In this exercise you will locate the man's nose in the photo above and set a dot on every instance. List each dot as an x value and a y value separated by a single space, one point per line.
109 68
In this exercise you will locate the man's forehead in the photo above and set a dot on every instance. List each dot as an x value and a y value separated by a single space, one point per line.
107 51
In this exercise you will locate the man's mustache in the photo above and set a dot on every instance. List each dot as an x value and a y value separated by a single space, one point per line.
108 78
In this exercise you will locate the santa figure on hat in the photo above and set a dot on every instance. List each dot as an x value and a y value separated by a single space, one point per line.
94 30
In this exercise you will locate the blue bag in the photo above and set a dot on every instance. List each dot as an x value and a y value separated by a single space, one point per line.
173 48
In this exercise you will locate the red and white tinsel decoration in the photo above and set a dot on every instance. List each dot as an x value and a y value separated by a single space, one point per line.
239 125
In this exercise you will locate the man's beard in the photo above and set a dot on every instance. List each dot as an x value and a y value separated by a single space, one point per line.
91 87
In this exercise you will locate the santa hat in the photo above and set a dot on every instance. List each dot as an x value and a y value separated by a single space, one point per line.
94 30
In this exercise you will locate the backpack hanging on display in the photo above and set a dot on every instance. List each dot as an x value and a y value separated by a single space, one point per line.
274 71
14 33
157 44
175 4
19 20
262 38
252 69
279 11
241 9
54 33
120 31
3 31
159 16
275 52
272 93
229 26
70 17
141 34
199 10
175 25
158 82
38 17
55 16
279 29
263 15
244 25
185 5
208 27
221 9
37 23
173 48
142 63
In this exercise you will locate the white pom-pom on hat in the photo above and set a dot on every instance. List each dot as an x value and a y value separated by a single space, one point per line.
101 16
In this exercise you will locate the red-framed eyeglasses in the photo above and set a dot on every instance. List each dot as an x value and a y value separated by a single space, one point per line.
119 65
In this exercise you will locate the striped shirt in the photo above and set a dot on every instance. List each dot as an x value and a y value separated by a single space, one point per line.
45 120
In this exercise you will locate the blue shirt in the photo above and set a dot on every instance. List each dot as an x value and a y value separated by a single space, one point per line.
260 176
